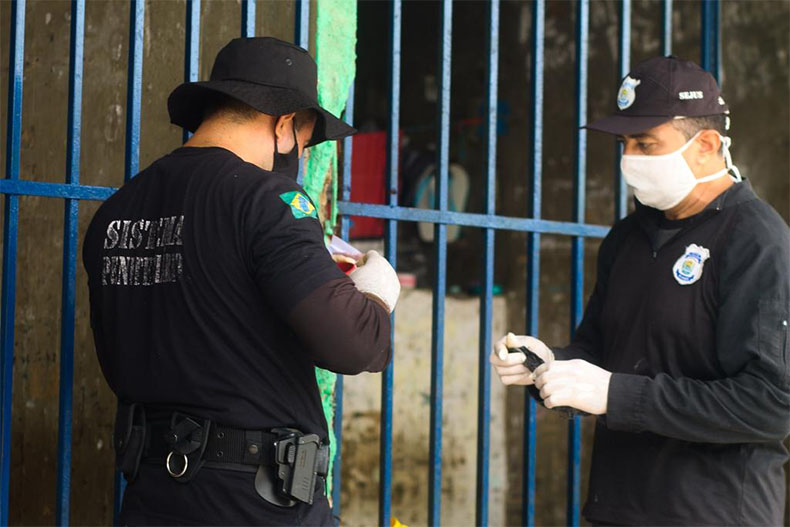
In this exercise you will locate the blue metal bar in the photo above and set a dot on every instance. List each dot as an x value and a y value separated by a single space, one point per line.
132 155
469 219
346 208
666 27
533 254
192 47
577 252
624 52
391 250
302 38
70 243
248 18
134 87
344 230
440 268
711 37
302 30
22 187
487 279
10 231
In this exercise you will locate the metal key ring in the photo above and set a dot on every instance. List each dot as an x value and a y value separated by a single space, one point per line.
170 471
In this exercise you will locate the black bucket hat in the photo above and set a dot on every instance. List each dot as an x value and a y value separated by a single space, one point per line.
658 90
270 75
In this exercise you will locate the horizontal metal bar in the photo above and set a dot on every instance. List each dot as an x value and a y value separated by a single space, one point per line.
21 187
469 219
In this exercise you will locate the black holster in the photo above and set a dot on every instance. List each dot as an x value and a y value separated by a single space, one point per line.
129 438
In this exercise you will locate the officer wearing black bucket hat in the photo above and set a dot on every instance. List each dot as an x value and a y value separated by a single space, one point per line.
213 298
683 350
271 76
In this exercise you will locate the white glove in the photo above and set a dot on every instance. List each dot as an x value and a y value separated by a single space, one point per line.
375 277
510 366
575 383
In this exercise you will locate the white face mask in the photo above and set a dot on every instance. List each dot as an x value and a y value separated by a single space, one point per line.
663 181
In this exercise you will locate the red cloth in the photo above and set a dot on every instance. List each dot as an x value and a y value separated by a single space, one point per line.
368 181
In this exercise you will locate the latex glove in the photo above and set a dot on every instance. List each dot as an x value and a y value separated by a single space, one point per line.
575 383
510 366
375 277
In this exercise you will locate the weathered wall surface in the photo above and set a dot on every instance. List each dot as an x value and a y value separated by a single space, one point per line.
411 422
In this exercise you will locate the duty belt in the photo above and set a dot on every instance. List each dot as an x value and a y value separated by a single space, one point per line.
289 465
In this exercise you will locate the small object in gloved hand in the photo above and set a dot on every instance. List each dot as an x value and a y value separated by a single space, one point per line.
532 362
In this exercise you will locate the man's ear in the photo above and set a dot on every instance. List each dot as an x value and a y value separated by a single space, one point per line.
283 130
709 143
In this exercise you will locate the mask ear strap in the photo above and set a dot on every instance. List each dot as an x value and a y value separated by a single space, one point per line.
274 131
726 141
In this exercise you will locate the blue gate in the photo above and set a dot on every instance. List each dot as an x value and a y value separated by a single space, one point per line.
72 192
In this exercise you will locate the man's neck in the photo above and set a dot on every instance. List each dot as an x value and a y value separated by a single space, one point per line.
248 140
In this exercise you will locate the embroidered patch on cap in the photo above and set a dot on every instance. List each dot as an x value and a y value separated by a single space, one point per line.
627 93
688 268
300 205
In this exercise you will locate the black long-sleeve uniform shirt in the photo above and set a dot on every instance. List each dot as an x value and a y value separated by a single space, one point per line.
212 292
691 316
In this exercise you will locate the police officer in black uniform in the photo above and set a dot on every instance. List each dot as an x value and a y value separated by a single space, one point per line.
213 297
683 349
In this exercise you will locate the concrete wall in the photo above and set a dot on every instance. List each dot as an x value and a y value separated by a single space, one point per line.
411 422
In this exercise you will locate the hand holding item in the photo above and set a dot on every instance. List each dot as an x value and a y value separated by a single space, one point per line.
375 277
513 367
346 263
575 383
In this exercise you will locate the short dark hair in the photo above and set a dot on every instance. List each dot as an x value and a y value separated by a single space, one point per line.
303 117
690 126
240 112
230 107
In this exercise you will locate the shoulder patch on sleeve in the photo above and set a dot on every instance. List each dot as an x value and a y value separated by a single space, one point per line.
301 207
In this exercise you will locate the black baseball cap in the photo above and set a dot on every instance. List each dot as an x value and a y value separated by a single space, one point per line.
658 90
268 74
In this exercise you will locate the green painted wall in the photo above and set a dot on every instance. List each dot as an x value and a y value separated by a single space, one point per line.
335 41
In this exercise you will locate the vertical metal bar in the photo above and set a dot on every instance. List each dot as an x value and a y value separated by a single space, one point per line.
440 268
533 254
577 248
302 38
666 25
132 155
391 250
248 18
70 242
134 87
10 232
344 230
711 36
302 32
192 47
624 52
487 279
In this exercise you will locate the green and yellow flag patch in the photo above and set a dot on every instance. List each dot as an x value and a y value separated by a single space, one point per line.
300 205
